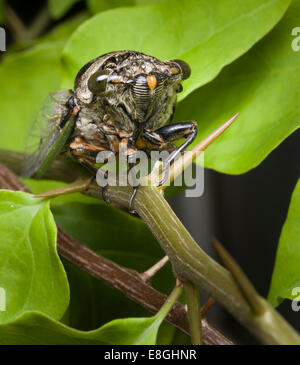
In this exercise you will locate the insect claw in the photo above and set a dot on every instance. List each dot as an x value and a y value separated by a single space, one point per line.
165 172
131 210
104 195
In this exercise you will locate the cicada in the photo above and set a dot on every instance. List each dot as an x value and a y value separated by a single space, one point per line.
119 97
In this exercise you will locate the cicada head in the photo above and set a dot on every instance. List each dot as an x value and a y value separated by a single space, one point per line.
142 86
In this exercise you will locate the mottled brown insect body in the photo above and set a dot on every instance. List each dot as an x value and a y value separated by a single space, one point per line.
121 97
139 93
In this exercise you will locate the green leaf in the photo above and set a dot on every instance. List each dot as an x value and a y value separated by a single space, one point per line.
62 31
93 303
149 335
88 310
58 8
34 328
207 34
96 6
119 237
45 331
286 274
131 331
30 270
263 86
28 78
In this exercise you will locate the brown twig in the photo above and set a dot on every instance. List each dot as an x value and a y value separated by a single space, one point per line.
22 33
18 29
207 306
39 24
129 282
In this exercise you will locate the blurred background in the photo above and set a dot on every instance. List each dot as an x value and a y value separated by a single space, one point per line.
244 212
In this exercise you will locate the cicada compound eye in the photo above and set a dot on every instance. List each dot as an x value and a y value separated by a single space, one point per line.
184 67
97 82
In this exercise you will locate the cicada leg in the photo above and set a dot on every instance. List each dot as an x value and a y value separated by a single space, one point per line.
163 137
85 154
135 189
128 150
90 166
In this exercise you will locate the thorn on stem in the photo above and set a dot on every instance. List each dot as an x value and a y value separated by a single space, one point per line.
147 275
189 156
77 186
207 306
249 292
178 282
207 141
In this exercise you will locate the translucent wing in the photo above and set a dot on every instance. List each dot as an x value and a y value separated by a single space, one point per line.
51 128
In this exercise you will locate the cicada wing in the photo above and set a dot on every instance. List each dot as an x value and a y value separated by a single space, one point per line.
48 133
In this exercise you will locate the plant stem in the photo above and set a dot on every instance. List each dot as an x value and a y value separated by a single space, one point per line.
189 261
194 311
192 264
40 24
128 282
18 29
20 32
79 185
246 287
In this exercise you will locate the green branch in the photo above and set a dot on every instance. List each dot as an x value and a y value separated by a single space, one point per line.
194 311
189 261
